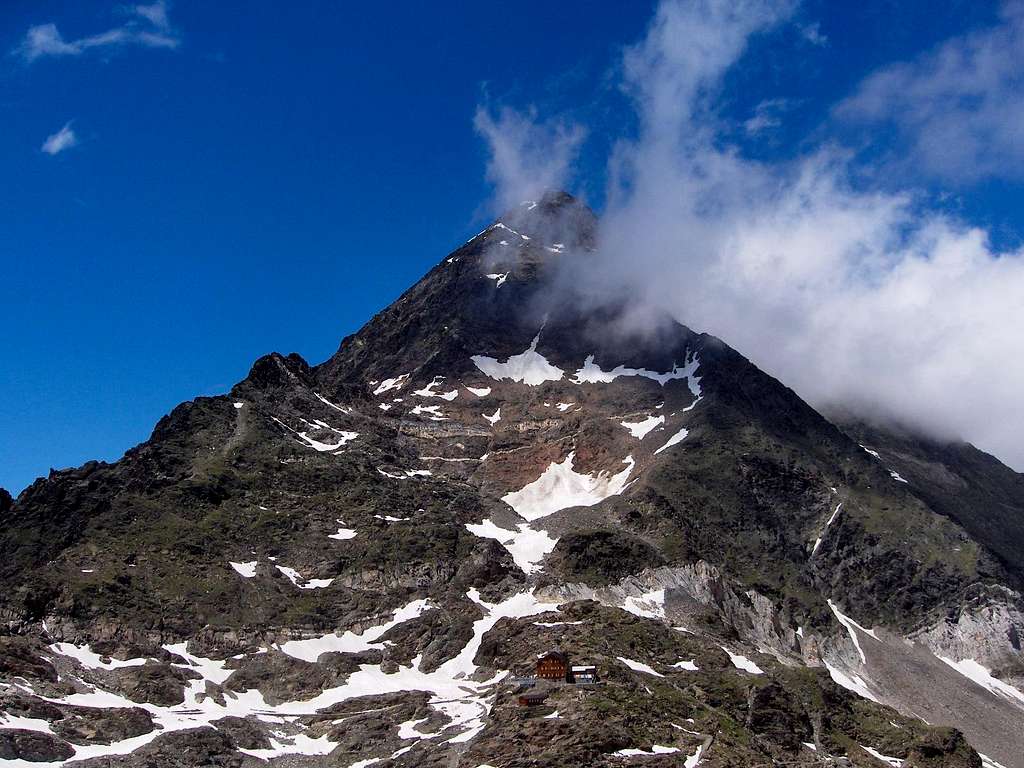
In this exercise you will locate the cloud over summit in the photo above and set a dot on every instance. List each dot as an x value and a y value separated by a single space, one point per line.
852 295
527 157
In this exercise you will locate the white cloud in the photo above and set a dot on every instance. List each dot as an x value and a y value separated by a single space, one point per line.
850 296
767 115
527 157
147 27
63 139
812 34
154 13
957 111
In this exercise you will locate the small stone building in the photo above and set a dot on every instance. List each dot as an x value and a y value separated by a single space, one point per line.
532 698
582 675
553 665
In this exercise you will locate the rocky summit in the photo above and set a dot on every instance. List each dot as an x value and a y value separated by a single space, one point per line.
505 526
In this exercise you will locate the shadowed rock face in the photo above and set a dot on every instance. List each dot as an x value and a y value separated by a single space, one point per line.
337 561
956 480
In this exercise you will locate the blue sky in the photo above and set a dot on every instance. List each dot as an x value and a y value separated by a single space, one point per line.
189 186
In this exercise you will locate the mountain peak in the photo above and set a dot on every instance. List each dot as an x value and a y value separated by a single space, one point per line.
559 220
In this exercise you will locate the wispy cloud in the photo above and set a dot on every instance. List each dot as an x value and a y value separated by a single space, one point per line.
527 156
63 139
147 26
812 34
767 115
851 296
957 111
154 13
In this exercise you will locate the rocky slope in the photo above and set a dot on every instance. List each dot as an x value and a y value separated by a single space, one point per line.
349 564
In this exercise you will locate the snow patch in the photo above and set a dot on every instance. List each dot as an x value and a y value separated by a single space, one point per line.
656 749
560 487
352 642
557 623
433 412
480 391
678 437
528 546
638 666
852 627
24 724
405 474
854 683
327 402
300 581
742 662
976 673
85 656
428 391
343 533
529 367
591 373
516 607
640 429
389 384
494 418
245 570
988 762
895 762
317 445
892 472
817 541
650 605
299 744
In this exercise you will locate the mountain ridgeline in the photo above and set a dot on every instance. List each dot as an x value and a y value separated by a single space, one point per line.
359 562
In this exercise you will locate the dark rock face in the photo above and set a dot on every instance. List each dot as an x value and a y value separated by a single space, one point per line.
602 557
183 749
772 712
282 678
942 747
32 746
103 726
156 683
335 563
956 480
18 658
